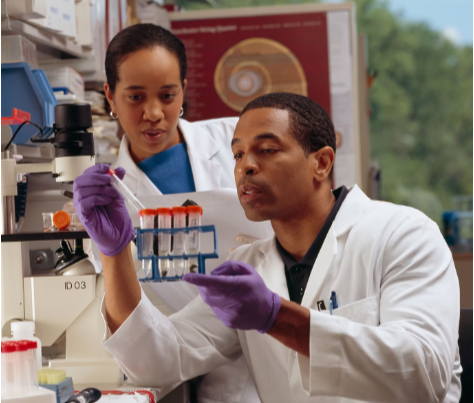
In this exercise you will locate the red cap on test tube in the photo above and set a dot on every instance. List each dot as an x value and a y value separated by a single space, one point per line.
8 347
195 209
180 210
163 210
147 211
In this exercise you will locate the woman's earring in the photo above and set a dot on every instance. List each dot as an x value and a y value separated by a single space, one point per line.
113 116
182 112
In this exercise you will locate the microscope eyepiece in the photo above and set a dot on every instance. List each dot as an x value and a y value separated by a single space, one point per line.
73 117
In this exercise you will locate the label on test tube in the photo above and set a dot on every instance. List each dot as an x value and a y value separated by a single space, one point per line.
179 221
164 240
147 221
194 237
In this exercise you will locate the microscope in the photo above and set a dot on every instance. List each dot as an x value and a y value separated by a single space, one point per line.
64 302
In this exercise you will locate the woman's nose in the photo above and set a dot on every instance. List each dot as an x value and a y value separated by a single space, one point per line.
153 112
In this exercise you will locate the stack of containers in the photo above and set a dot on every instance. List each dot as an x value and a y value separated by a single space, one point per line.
183 242
19 370
25 330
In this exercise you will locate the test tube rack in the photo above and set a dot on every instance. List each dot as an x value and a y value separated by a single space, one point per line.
201 257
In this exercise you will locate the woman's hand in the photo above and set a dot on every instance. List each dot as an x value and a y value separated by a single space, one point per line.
101 209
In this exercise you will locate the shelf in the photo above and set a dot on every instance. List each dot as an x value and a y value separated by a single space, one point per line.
44 236
43 38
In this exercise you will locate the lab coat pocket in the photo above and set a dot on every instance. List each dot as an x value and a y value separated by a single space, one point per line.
365 311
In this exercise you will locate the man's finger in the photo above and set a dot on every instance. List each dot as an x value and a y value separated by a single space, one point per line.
217 283
233 268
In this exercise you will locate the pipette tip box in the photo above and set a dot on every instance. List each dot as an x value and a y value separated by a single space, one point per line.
64 390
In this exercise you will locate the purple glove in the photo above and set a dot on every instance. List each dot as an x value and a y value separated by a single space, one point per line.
238 296
101 209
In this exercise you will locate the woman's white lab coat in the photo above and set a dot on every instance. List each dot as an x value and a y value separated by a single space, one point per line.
212 164
392 339
209 151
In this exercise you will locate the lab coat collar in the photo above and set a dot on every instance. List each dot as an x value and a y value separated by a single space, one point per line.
272 267
201 148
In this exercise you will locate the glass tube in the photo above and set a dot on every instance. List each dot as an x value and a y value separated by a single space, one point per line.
179 221
164 240
125 192
194 237
48 223
147 221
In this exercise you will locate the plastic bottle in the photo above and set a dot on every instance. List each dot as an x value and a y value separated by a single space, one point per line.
25 330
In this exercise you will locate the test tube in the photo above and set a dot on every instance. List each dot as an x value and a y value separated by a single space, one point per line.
8 369
179 238
164 239
48 223
194 237
21 368
125 191
31 369
147 221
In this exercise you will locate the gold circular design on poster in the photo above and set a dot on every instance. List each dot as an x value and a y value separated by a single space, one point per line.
255 67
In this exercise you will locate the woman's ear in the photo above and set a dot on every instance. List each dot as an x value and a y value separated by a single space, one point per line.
110 96
185 83
323 160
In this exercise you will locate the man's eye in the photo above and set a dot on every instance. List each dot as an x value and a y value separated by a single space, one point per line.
269 151
237 156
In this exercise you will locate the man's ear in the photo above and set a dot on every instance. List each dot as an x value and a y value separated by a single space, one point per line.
322 160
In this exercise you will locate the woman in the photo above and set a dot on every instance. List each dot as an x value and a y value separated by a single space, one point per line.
162 154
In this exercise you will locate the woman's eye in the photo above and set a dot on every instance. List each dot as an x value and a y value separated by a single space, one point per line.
169 96
135 97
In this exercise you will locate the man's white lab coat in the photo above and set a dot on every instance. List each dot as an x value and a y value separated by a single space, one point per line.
392 339
212 164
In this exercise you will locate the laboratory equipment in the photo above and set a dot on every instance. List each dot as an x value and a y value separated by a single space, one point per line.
125 192
164 239
179 238
89 395
8 369
63 388
19 374
66 301
61 220
162 256
75 225
147 221
194 236
48 222
25 330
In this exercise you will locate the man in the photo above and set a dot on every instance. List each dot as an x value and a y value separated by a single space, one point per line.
352 300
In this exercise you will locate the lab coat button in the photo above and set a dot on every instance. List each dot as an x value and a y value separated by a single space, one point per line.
301 291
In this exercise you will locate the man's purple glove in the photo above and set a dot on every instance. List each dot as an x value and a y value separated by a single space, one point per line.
101 209
238 296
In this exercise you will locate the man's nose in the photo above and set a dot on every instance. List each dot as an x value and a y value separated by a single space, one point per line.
153 112
248 166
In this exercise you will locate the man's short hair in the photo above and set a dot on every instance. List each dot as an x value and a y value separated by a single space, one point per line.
310 124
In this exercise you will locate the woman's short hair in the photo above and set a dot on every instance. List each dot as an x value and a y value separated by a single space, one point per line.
137 37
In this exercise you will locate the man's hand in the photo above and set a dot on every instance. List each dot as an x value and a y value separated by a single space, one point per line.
238 296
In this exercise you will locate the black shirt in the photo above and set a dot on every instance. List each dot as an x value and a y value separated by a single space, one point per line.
297 274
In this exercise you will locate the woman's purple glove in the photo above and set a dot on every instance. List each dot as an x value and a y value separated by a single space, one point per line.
238 296
101 209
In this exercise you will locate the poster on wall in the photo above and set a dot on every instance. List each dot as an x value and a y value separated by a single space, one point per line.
235 56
